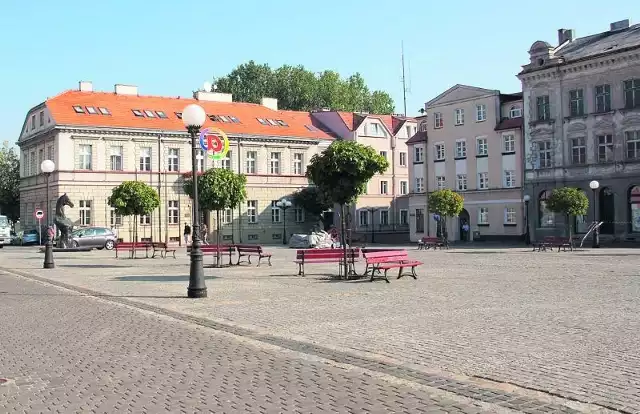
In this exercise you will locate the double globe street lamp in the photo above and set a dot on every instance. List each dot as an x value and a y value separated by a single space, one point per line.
193 117
594 185
47 167
284 205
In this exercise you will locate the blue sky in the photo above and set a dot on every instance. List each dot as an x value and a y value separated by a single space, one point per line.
170 48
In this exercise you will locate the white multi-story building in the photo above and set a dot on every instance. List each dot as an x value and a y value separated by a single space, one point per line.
99 139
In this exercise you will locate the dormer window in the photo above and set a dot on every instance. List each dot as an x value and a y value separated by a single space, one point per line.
373 129
515 112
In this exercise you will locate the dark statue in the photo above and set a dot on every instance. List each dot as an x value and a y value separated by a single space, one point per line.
63 224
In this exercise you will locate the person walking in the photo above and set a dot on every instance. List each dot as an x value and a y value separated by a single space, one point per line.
204 234
187 233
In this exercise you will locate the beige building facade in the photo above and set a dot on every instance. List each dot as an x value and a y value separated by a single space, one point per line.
470 141
98 140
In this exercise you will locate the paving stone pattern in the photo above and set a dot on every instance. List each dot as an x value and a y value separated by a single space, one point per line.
69 353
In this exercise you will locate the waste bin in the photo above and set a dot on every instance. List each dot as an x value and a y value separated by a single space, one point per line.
476 235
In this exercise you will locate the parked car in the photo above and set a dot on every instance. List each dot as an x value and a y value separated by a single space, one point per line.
94 237
30 237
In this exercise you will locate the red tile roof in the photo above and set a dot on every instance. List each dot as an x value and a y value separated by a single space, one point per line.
509 123
121 108
353 120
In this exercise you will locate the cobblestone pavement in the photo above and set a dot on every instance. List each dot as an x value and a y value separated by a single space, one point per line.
64 352
561 324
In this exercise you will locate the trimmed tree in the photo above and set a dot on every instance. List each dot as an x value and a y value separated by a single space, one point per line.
570 202
134 198
341 173
312 201
9 183
445 203
218 189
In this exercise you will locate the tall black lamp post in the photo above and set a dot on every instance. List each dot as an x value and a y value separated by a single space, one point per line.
47 167
284 205
193 117
372 210
594 185
527 235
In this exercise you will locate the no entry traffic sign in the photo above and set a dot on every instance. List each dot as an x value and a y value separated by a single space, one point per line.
39 214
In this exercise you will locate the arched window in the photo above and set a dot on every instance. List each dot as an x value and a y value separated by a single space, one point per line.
545 217
515 112
634 208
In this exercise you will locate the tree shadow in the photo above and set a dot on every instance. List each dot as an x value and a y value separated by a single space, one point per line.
154 278
98 295
95 266
610 255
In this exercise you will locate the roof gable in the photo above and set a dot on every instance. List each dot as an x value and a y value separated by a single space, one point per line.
459 93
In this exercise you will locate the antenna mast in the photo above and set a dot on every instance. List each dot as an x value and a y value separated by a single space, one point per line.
404 81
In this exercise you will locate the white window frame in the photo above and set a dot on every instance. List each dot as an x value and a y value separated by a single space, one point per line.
276 212
373 129
274 163
363 214
459 116
200 162
461 182
461 148
509 143
84 212
605 148
510 215
226 161
483 215
509 178
383 213
384 154
85 155
482 146
298 161
145 159
227 216
481 113
439 151
404 217
250 162
252 211
173 159
515 112
115 220
116 158
547 151
418 154
402 159
404 187
384 187
438 121
441 182
299 214
173 212
419 184
579 144
483 181
145 220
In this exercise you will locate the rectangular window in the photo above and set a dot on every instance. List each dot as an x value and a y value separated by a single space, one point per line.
115 219
403 159
481 113
544 154
384 187
509 215
419 220
226 161
115 158
482 147
33 122
419 185
227 216
34 165
373 129
515 112
145 159
274 163
145 220
410 131
459 116
383 154
173 211
276 213
404 217
605 148
631 93
576 102
461 182
509 143
509 179
251 162
632 142
84 157
483 215
439 149
441 183
603 98
404 187
84 209
252 211
298 163
50 152
438 122
543 109
578 151
173 159
40 156
363 218
41 118
461 149
418 154
200 161
299 214
483 181
384 217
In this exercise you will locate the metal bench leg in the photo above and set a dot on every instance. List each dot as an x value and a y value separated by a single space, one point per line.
400 273
269 260
259 259
385 275
413 273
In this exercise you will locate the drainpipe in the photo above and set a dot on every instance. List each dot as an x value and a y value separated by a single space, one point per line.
160 187
239 204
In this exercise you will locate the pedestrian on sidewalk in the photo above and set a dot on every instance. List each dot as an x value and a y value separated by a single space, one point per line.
205 234
187 233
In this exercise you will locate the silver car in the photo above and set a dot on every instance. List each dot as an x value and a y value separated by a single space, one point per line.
95 237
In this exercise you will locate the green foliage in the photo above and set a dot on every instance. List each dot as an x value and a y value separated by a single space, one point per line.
569 201
218 188
134 198
342 171
446 203
300 89
9 183
312 201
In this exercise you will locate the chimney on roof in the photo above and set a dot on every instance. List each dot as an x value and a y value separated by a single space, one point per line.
271 103
85 86
621 25
213 96
120 89
565 35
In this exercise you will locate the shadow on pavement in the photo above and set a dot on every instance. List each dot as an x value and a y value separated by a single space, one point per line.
151 278
478 252
93 266
95 295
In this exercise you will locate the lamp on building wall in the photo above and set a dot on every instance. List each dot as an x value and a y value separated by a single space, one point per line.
193 117
47 167
527 235
594 185
284 205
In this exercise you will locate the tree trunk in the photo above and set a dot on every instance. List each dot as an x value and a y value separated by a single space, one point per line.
135 228
217 236
342 240
569 225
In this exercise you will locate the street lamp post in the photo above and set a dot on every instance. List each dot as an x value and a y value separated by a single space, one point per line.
372 210
283 205
193 116
527 235
47 167
594 185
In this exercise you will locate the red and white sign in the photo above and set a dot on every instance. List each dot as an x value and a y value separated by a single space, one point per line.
39 214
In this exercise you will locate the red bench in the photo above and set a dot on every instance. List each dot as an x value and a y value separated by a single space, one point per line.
163 249
427 242
308 256
214 249
393 259
248 250
549 242
133 247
